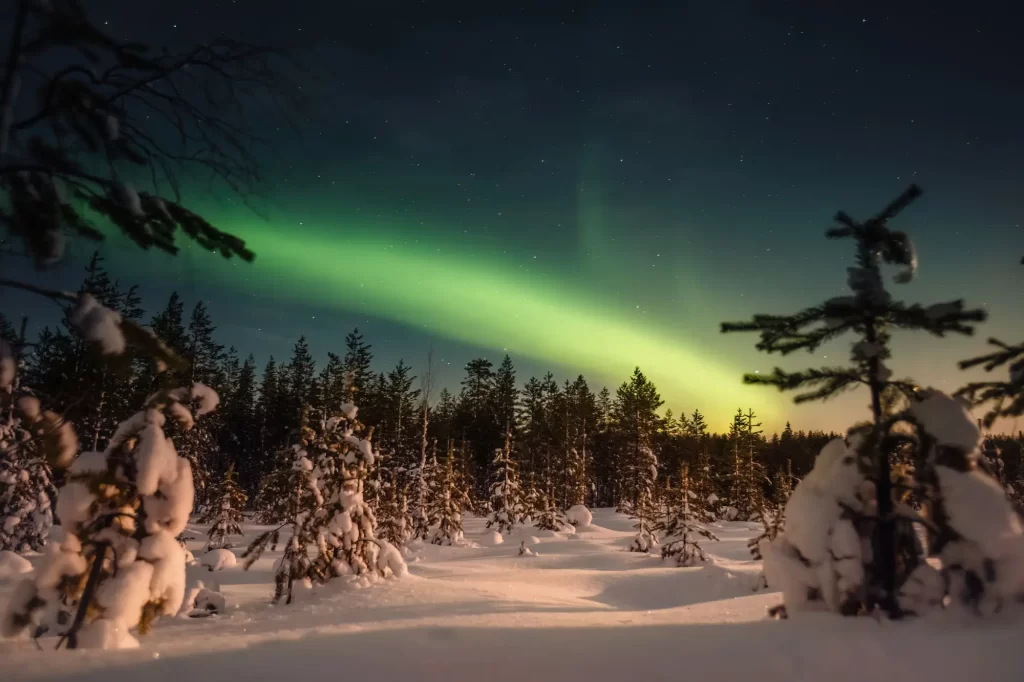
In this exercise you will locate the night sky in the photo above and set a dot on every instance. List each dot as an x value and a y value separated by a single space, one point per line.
590 187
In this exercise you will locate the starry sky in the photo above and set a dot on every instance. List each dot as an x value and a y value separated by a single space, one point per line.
593 186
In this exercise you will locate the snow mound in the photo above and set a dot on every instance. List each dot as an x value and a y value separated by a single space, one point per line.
219 559
946 419
579 516
491 539
13 565
532 540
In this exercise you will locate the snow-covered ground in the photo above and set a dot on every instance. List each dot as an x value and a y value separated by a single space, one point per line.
580 609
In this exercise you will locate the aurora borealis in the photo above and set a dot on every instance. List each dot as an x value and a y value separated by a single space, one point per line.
591 187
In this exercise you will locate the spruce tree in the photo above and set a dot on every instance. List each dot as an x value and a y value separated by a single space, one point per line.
505 491
450 503
870 313
332 464
644 509
682 527
239 436
395 522
119 565
1006 397
546 515
225 513
424 493
636 420
26 486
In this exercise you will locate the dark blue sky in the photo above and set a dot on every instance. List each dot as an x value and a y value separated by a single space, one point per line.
598 137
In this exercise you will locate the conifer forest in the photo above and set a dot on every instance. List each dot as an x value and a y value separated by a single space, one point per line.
317 372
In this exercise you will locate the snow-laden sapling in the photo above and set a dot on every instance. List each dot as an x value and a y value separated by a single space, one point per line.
26 487
506 493
118 565
682 528
644 510
547 516
225 514
870 314
396 523
450 504
332 464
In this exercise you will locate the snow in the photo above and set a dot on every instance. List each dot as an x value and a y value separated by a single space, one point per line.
349 411
946 419
579 516
13 565
219 559
582 610
206 397
492 539
99 325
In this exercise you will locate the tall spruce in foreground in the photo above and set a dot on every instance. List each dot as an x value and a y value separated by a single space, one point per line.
1006 397
870 314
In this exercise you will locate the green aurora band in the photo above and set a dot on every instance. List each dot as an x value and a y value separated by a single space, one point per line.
485 301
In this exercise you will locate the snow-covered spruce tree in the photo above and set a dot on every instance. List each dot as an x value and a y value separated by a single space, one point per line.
870 313
682 528
26 487
450 503
506 493
332 464
645 511
119 566
423 494
547 516
225 513
275 500
395 523
304 499
774 520
1006 397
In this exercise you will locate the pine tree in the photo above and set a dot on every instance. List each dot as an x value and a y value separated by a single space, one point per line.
122 510
450 503
424 494
1006 397
89 388
274 500
239 438
870 313
26 486
297 383
225 513
506 494
546 515
169 327
301 498
356 364
636 421
332 466
644 509
475 420
395 522
203 354
681 529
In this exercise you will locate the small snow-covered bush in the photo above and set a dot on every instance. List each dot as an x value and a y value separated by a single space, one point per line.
219 559
579 516
492 538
